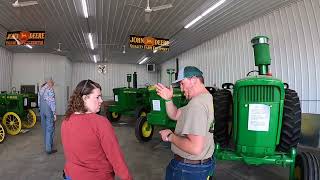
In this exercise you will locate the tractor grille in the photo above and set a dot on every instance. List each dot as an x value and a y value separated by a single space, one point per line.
259 93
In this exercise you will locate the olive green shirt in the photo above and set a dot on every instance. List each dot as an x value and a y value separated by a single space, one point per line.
195 119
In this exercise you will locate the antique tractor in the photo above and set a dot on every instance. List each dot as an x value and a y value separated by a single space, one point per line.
129 101
158 115
2 134
266 121
16 111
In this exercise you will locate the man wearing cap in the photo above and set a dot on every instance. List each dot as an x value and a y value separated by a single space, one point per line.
47 105
191 142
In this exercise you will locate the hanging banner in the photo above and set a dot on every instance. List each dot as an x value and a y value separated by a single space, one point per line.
149 43
33 38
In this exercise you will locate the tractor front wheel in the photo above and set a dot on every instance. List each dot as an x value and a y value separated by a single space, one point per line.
140 111
307 167
31 119
143 130
12 123
222 101
2 134
291 122
113 116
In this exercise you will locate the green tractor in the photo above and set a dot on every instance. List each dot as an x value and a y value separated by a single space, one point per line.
158 114
16 112
129 101
2 134
266 121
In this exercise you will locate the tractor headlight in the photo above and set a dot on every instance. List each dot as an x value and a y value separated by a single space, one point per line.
116 98
25 102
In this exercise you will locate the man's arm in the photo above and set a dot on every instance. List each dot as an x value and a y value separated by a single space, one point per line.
167 94
172 111
192 144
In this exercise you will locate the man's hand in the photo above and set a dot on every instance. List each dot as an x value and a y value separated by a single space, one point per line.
55 117
166 134
164 92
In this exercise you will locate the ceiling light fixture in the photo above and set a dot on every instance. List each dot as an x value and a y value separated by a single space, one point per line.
144 59
205 13
84 8
91 41
95 58
124 49
28 45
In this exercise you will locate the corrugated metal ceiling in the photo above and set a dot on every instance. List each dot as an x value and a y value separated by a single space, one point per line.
112 21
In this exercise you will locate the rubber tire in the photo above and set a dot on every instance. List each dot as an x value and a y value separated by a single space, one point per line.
309 168
111 118
139 111
222 100
138 130
211 90
291 122
2 134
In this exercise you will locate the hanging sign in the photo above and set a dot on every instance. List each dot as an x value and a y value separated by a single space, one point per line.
17 38
149 43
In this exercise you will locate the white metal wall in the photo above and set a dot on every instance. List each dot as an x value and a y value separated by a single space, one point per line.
30 69
5 69
295 43
116 76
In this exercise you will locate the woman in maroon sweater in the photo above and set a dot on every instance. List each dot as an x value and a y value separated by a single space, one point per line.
90 145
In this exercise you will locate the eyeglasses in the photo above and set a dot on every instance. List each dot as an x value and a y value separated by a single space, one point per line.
85 85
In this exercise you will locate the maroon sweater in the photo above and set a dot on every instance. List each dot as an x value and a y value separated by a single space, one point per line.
91 149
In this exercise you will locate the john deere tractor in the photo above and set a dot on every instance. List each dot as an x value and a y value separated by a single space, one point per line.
266 121
158 114
2 134
16 112
130 101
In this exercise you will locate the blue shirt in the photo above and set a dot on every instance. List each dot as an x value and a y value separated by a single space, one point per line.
48 95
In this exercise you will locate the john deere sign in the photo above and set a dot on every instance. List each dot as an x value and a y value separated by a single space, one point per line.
25 37
149 43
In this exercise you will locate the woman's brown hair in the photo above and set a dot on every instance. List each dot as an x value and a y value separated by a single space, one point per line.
76 103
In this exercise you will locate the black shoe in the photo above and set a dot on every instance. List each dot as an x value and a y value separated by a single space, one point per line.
52 151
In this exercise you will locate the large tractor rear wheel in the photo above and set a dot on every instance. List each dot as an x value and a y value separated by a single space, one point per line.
222 100
291 122
12 123
307 167
31 119
2 134
143 130
113 116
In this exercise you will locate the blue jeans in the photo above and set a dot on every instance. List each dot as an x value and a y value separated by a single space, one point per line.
177 170
48 126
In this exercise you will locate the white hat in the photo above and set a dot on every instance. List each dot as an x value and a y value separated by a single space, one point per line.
48 78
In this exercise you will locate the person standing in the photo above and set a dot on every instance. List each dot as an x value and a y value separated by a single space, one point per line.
191 141
89 142
47 107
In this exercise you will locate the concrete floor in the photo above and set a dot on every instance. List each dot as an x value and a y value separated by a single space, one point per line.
22 158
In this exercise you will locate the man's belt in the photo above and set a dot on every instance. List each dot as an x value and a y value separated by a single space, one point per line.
188 161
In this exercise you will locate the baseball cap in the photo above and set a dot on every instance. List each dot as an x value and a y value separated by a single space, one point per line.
188 72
